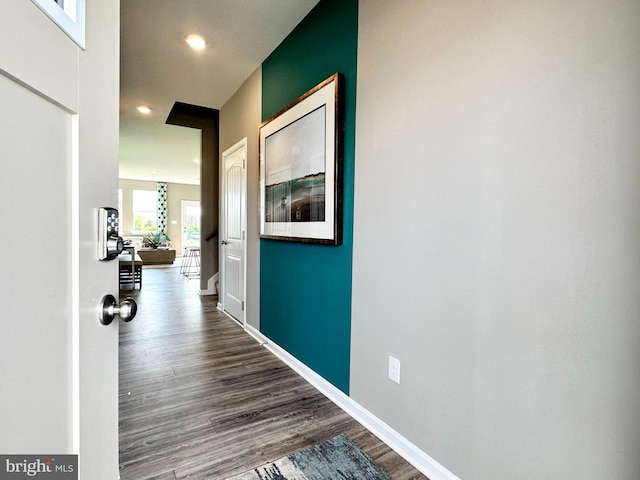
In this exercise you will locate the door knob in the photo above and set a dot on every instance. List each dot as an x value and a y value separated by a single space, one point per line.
109 308
224 242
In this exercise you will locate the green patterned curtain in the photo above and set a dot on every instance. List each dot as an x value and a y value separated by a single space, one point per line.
162 208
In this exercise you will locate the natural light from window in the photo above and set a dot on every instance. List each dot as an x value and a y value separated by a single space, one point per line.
145 213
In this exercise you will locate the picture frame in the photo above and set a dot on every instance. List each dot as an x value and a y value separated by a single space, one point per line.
300 151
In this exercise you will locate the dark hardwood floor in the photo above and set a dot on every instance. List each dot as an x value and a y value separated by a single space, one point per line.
201 399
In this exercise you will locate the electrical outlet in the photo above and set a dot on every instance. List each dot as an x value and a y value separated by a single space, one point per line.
394 369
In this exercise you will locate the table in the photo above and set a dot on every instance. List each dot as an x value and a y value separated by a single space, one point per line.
157 256
191 262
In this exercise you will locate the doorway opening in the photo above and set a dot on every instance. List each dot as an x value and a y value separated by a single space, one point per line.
233 228
190 223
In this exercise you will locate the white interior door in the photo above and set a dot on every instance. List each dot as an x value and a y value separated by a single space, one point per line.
233 230
58 157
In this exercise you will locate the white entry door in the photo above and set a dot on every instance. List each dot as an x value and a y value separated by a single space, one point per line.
233 230
190 223
58 163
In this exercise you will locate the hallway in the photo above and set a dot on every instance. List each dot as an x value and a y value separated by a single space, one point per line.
201 399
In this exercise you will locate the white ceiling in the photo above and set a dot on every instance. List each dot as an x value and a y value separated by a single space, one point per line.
157 68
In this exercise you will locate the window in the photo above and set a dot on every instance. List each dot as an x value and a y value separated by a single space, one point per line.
145 211
68 15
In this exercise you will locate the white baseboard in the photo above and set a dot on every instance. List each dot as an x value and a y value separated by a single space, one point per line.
411 453
211 286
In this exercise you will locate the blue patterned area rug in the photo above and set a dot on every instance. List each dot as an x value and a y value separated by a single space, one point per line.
337 459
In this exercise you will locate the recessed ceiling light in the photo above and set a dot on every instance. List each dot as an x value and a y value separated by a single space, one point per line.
197 42
144 109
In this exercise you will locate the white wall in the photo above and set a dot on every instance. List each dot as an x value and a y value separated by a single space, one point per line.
496 250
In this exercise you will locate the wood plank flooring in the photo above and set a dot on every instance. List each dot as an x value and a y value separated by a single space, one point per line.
201 399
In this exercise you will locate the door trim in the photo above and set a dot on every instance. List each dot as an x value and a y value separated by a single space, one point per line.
242 144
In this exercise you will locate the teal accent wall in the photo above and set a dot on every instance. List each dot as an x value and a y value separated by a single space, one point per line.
305 304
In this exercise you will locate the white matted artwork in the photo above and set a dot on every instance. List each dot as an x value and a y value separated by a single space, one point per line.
301 168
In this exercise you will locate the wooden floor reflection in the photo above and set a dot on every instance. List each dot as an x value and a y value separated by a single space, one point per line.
201 399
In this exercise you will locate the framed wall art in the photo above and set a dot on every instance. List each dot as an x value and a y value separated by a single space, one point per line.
301 168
